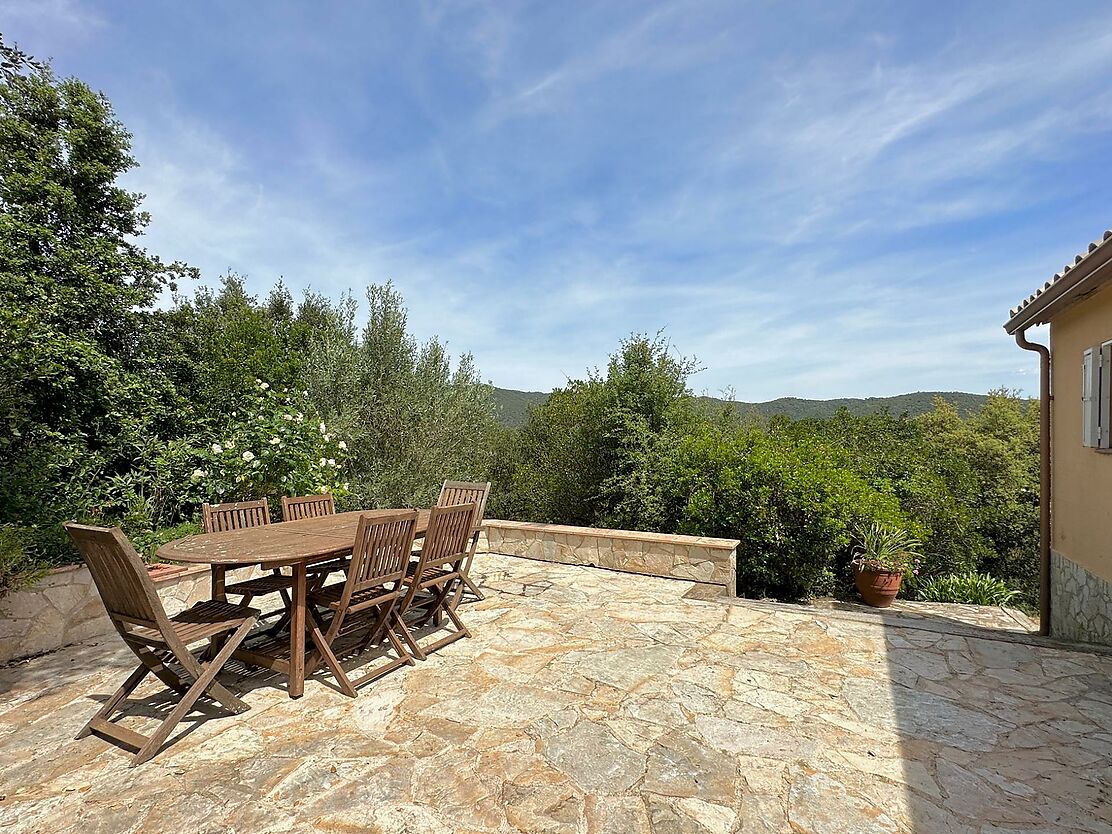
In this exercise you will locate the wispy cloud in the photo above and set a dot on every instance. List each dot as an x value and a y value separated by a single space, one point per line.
834 201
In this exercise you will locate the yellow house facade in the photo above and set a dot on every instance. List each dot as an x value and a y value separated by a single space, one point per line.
1076 393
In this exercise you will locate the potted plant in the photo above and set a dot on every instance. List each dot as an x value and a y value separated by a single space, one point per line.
881 559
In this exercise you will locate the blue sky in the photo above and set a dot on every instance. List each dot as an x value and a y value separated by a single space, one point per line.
818 200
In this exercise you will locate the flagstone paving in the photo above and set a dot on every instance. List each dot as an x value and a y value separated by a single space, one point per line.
597 702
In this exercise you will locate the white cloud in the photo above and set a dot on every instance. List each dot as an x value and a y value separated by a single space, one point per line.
773 210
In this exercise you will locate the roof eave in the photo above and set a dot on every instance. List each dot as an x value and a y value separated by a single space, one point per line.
1089 273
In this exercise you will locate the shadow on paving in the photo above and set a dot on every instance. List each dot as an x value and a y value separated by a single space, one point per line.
997 731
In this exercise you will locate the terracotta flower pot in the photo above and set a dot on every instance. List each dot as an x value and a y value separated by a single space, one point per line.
878 587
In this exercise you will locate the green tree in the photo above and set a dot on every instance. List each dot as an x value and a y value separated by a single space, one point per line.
84 390
573 459
410 419
225 339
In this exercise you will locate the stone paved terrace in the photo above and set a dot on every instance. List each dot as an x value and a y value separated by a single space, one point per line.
592 701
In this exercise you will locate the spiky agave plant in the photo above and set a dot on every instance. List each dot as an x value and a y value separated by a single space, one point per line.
883 548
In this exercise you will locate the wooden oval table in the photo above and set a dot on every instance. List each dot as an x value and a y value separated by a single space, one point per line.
296 544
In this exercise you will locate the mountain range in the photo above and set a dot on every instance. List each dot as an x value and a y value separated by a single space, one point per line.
513 406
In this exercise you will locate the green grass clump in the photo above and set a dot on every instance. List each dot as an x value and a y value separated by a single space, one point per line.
968 588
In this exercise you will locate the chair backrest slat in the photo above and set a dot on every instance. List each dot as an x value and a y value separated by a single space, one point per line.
122 579
446 539
453 493
237 515
382 549
307 506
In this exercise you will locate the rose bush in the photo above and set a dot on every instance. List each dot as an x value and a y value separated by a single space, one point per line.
274 446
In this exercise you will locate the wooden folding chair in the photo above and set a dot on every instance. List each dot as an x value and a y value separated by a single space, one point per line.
136 611
453 493
298 507
364 604
218 518
435 578
307 506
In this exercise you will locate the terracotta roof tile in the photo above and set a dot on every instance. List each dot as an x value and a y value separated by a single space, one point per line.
1058 276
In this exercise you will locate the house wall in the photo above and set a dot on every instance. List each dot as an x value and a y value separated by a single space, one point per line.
1081 505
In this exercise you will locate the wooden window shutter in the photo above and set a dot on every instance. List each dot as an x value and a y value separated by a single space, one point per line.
1104 397
1090 391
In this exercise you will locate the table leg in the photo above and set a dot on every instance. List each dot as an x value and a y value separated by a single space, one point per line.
297 633
218 572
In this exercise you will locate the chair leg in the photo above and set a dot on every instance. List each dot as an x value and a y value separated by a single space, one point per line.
399 648
128 686
414 649
465 575
203 683
454 617
479 595
325 651
158 668
216 691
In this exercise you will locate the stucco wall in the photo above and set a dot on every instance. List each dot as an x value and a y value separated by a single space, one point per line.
1082 486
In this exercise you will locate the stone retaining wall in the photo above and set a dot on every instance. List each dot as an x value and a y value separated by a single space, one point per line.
1080 603
64 608
695 558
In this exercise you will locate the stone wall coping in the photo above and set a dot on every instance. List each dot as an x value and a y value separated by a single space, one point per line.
602 532
62 573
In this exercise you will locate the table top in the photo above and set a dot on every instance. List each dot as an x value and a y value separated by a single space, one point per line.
285 543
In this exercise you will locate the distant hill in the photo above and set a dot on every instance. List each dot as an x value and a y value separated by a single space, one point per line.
514 405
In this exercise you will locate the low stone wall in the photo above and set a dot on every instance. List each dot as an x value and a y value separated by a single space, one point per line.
1080 603
694 558
64 608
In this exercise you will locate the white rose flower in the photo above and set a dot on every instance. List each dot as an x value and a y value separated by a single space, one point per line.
287 416
323 429
342 445
331 462
248 456
274 441
323 461
264 385
216 450
198 474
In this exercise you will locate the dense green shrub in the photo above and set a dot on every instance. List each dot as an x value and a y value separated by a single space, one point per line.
83 390
19 565
572 460
792 506
968 588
